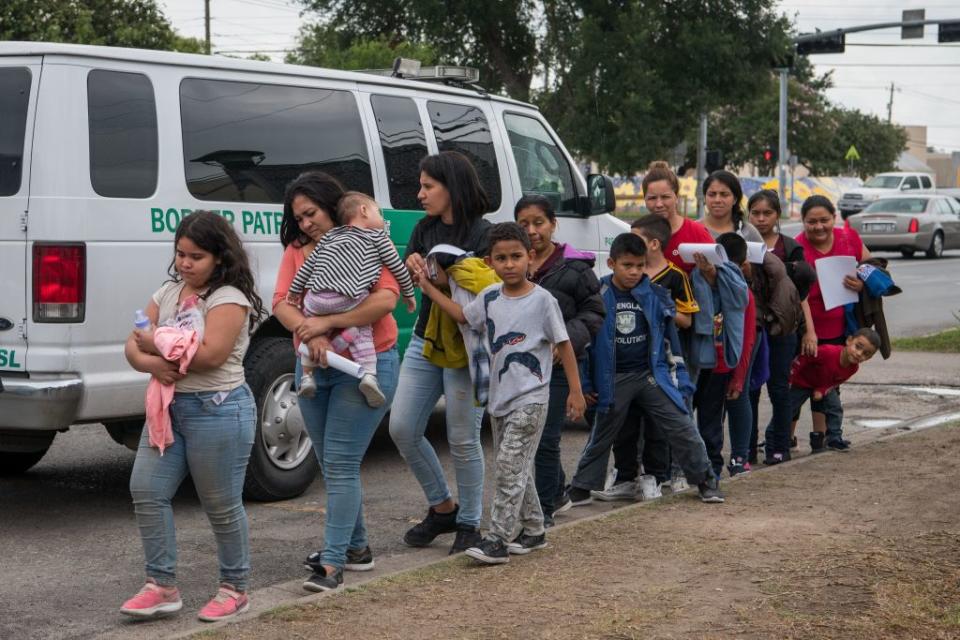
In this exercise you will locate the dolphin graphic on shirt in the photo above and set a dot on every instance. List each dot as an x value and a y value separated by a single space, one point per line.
524 359
509 338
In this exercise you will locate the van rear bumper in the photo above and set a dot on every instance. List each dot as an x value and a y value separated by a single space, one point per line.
41 402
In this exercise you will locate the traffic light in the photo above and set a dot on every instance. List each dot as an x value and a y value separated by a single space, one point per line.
714 160
816 43
949 31
767 154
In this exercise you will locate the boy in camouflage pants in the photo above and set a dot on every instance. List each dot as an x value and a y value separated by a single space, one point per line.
523 331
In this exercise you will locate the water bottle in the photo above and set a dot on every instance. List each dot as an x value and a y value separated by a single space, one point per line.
140 320
343 339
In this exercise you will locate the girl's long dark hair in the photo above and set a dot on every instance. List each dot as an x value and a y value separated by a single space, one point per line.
468 200
323 189
733 183
215 235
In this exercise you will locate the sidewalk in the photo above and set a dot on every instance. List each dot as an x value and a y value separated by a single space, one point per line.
872 553
912 367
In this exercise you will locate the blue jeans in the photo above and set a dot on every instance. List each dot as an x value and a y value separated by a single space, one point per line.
549 475
212 442
777 435
341 426
420 387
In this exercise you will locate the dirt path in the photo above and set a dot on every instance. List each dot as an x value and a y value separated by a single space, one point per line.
859 545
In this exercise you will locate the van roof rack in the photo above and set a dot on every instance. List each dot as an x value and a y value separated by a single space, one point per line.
407 68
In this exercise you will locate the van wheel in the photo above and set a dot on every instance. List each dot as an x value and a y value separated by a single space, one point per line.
936 246
282 463
13 463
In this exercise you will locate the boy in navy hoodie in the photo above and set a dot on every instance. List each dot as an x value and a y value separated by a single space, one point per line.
636 361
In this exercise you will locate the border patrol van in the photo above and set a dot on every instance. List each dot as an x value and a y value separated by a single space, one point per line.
104 150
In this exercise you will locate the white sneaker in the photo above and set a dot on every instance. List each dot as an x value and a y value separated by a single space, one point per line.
648 488
678 484
619 491
308 386
371 390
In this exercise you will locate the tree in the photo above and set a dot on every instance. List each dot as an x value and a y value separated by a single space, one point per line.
819 133
498 37
117 23
321 46
637 74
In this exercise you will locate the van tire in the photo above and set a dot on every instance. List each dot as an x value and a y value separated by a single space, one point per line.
275 473
14 463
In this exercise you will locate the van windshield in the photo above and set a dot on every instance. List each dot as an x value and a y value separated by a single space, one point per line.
14 98
883 182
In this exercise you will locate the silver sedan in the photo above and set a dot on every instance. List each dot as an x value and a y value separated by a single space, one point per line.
927 223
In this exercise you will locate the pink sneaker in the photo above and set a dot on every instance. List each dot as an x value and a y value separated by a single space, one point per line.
153 600
226 604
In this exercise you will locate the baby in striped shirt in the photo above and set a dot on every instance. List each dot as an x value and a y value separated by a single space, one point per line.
338 275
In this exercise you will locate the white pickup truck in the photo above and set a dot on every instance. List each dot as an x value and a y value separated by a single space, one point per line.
883 184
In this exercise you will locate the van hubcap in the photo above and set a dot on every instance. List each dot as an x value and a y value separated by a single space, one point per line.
282 431
937 245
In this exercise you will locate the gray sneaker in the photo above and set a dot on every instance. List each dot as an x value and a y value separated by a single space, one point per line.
370 389
619 491
710 490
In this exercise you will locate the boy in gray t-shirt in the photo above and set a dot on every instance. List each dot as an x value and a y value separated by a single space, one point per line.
523 332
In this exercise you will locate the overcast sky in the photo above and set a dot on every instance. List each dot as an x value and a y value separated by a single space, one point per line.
926 76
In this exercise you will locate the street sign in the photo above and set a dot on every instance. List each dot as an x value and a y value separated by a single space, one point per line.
912 15
852 154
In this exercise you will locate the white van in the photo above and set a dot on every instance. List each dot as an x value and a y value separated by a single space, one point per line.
104 150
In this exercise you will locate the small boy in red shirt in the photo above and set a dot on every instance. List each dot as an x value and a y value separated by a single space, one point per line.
814 376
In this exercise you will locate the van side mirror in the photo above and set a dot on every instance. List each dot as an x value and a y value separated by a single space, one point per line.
600 196
906 186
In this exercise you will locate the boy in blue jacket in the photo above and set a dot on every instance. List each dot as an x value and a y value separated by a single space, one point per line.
636 361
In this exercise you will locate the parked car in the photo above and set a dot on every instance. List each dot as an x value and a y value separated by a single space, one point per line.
881 186
928 223
104 150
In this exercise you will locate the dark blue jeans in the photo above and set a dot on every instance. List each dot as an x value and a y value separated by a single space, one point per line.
777 435
548 468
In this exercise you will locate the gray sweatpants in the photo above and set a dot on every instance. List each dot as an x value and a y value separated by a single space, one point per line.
516 436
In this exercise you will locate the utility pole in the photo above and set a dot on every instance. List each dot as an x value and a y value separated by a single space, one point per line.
206 24
890 105
701 163
782 146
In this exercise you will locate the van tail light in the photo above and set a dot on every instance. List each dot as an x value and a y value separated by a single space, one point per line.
59 282
914 226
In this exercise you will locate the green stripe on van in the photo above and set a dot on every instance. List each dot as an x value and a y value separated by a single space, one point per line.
402 222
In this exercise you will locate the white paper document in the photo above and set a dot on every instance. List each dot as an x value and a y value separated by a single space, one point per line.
756 251
338 362
447 248
714 253
830 274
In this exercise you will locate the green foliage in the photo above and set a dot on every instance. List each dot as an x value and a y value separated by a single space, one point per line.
321 46
499 37
818 132
640 72
117 23
944 342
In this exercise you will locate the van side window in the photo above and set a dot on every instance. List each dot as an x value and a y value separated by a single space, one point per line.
542 167
14 100
404 146
925 181
911 182
122 118
462 128
243 142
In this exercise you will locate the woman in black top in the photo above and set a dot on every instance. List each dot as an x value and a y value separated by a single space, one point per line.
454 202
764 210
568 274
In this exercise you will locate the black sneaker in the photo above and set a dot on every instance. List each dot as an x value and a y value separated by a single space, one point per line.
563 504
467 537
359 560
839 445
579 497
423 533
489 551
710 490
320 581
524 544
776 458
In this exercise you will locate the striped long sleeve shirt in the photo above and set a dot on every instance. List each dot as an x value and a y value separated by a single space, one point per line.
348 260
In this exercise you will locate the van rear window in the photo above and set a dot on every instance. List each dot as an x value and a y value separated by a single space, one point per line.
404 146
243 142
465 129
122 117
14 99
